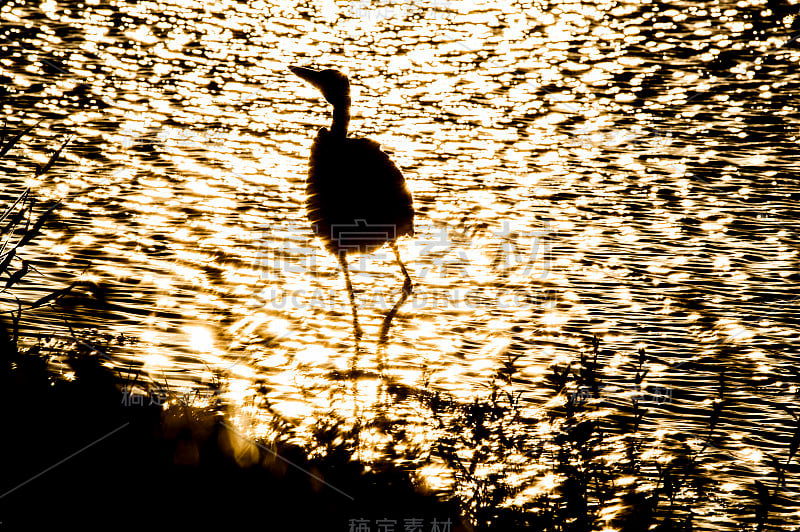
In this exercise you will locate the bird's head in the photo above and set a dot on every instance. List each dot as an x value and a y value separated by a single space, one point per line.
333 85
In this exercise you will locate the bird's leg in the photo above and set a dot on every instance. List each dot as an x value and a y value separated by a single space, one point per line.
408 288
356 327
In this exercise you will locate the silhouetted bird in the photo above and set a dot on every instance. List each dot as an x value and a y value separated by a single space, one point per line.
357 198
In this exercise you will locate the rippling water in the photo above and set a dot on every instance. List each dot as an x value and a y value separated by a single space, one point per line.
628 170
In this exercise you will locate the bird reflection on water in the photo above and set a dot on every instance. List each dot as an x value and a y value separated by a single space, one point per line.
357 199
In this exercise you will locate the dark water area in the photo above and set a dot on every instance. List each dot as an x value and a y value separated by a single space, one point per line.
627 170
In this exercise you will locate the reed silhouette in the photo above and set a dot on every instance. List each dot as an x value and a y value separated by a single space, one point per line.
357 199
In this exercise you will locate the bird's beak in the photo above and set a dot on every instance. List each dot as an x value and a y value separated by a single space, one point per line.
311 76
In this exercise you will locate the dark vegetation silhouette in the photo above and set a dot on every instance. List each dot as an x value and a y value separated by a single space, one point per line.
577 450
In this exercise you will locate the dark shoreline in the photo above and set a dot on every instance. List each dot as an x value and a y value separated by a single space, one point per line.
76 454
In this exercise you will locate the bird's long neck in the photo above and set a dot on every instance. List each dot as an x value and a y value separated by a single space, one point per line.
341 119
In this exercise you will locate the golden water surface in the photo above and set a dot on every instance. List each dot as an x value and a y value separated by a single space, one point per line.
621 169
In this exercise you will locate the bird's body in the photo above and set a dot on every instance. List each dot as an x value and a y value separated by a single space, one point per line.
357 199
